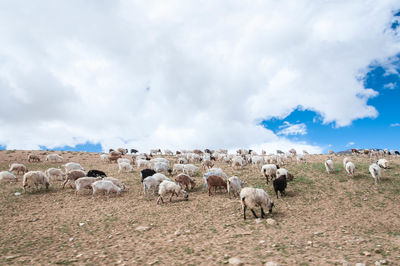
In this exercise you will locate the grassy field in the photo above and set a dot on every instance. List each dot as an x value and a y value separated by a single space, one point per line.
324 219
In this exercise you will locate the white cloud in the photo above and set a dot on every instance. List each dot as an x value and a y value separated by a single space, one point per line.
72 73
390 86
395 125
351 143
292 129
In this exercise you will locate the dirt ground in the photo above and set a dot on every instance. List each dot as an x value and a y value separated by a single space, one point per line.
324 219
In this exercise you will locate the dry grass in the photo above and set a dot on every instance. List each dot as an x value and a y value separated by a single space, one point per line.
342 218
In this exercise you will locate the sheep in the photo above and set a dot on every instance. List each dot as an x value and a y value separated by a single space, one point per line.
72 166
301 158
18 167
124 160
105 185
181 160
350 167
329 166
160 160
144 163
234 185
95 173
255 197
168 152
51 172
375 171
345 161
72 176
125 167
152 182
190 168
257 161
177 167
280 185
114 156
84 182
116 182
104 157
269 170
383 163
185 180
146 173
33 158
207 164
54 158
134 151
213 171
161 167
35 177
237 162
169 187
6 176
122 151
155 152
215 181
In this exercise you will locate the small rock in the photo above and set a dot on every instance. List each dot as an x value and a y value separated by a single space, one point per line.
360 264
271 221
79 255
272 263
273 245
318 233
261 242
142 228
366 253
110 236
177 233
346 263
235 261
309 243
384 262
10 257
17 193
70 239
170 240
258 221
187 231
81 224
226 256
154 262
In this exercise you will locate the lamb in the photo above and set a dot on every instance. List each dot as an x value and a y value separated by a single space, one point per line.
383 163
329 166
185 180
116 182
146 173
235 186
51 172
72 166
350 167
105 185
125 167
169 187
84 183
33 158
375 171
54 158
6 176
280 185
37 178
269 170
190 168
18 167
73 175
255 197
95 173
215 181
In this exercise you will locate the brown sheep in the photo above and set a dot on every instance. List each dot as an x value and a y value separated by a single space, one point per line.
114 156
33 158
207 164
72 176
215 181
185 180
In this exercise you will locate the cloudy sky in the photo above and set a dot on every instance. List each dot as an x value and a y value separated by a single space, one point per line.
311 75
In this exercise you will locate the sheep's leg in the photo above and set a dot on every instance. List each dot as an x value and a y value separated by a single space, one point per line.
262 213
209 190
244 212
170 198
65 182
254 213
267 179
276 192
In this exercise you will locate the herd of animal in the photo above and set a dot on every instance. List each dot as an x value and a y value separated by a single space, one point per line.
154 171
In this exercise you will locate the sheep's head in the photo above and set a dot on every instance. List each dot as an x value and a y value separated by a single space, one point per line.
270 206
185 195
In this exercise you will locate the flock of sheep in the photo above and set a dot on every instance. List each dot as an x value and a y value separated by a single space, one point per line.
154 171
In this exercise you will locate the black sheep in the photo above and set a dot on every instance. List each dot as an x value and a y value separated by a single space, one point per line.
280 185
146 173
96 173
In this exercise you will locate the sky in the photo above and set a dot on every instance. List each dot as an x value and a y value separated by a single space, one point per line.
94 75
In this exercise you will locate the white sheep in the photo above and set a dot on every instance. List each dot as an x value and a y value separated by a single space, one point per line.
375 171
85 183
18 167
269 170
257 161
72 166
124 167
168 152
6 176
190 169
350 167
143 163
104 157
235 185
105 185
161 167
345 161
255 197
55 172
36 178
54 158
169 187
116 182
181 160
301 158
329 166
124 160
383 163
160 160
177 167
238 162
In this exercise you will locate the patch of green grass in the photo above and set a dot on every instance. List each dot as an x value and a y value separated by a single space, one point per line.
189 250
64 262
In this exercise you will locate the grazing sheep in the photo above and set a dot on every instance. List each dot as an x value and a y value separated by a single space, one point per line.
95 173
6 176
55 172
33 158
185 180
257 161
345 161
85 183
54 158
177 167
234 186
104 157
152 182
255 197
134 151
215 181
213 171
125 167
72 176
169 187
122 151
105 185
37 178
72 166
143 163
113 156
280 185
116 182
238 162
161 167
168 152
146 173
181 160
375 171
155 152
207 164
329 166
383 163
190 169
350 167
18 167
124 160
301 158
269 170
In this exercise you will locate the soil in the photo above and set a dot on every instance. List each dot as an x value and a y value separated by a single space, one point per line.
324 219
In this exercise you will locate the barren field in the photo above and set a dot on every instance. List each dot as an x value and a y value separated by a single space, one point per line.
324 219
